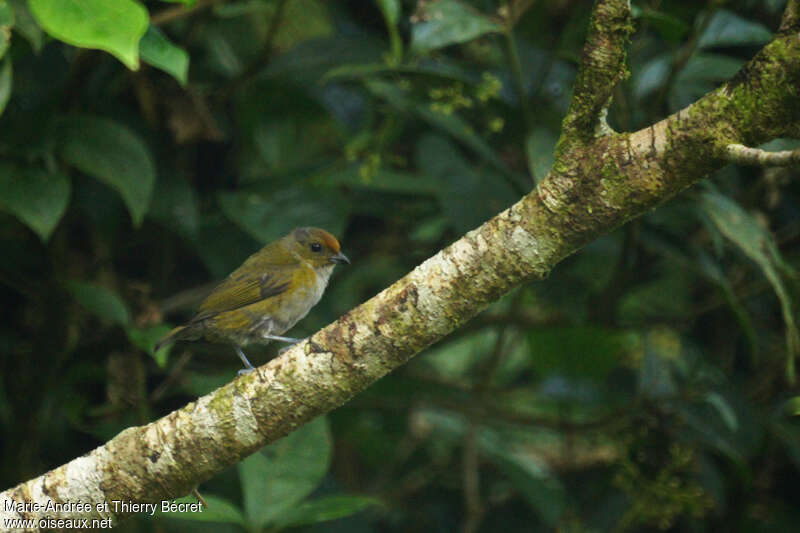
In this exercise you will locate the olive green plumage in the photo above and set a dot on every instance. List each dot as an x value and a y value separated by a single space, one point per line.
268 294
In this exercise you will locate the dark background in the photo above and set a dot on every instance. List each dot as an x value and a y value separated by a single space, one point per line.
643 386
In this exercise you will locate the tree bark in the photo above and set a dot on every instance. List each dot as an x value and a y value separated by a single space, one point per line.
600 180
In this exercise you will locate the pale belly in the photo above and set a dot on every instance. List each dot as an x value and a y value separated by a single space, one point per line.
248 325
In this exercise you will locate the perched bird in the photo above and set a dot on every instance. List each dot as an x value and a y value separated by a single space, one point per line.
272 290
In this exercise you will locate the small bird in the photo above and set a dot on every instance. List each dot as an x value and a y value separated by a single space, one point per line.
272 290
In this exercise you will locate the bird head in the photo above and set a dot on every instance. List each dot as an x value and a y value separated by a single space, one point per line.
316 246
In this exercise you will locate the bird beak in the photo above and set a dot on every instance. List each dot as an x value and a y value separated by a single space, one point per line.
340 259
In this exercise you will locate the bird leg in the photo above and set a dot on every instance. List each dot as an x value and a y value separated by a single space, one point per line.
248 367
290 340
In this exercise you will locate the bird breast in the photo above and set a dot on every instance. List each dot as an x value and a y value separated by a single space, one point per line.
296 308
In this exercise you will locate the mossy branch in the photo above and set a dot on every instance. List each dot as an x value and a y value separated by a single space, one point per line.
607 181
790 23
602 68
744 155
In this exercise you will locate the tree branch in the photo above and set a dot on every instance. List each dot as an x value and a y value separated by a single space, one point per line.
608 181
790 22
744 155
602 68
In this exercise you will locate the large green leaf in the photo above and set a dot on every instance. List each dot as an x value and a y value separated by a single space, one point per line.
281 475
159 51
742 229
324 509
268 217
101 302
36 197
112 153
113 26
445 22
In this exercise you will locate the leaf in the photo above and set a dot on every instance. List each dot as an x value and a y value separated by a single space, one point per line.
713 271
101 302
113 154
445 22
531 476
729 29
303 20
383 180
670 27
390 10
468 197
6 83
540 146
755 242
6 23
702 73
652 75
579 351
36 197
451 124
218 510
310 60
146 338
792 406
662 355
267 217
26 25
176 206
6 14
728 424
281 475
324 509
726 412
158 51
113 26
391 14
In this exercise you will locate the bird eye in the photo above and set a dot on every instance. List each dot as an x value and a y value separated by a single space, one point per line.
316 247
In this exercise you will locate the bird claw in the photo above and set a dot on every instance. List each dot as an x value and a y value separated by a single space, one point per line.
245 371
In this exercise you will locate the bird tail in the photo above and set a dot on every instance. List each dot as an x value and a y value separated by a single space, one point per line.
177 334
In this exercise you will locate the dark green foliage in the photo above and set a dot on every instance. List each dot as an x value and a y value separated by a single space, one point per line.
642 386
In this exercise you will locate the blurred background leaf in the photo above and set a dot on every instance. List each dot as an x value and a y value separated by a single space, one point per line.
644 385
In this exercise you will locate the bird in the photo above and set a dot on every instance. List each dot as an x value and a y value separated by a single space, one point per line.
267 295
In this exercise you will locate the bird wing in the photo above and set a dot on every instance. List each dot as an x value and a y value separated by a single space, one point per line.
257 279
